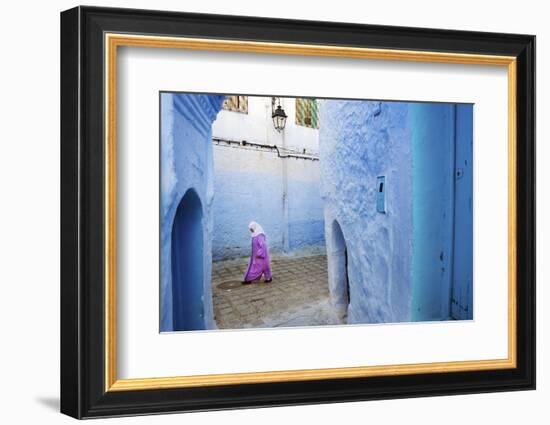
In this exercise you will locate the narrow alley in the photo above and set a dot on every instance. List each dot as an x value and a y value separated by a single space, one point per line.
297 296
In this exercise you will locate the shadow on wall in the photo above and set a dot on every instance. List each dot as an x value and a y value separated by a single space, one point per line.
187 264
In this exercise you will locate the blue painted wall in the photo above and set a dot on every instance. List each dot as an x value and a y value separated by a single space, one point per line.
404 263
242 197
305 209
360 141
248 186
186 163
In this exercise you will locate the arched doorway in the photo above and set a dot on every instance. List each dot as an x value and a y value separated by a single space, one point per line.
187 264
338 269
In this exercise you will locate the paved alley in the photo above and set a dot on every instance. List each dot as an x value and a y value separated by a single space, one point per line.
297 296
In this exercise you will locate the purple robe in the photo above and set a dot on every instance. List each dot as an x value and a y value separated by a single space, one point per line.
259 260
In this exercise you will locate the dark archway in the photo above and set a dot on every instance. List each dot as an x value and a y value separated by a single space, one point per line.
188 264
338 263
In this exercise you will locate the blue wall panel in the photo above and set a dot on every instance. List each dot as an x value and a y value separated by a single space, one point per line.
242 197
439 132
256 194
462 292
306 214
433 164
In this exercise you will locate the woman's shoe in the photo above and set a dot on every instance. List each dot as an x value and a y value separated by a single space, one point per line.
267 281
246 282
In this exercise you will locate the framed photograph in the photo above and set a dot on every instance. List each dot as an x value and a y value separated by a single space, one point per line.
261 212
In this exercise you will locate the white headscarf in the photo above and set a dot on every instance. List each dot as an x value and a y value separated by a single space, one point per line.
256 228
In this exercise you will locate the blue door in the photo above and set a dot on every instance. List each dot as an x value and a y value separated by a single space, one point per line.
462 289
442 211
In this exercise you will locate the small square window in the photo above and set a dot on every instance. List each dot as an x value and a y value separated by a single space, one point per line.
236 104
307 112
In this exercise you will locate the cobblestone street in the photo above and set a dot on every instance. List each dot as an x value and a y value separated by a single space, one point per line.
297 296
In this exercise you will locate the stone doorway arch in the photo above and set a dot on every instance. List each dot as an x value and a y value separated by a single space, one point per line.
188 264
337 262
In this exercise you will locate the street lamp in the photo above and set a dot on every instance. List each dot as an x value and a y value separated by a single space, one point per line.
279 117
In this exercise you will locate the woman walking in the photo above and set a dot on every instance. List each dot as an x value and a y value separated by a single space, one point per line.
259 260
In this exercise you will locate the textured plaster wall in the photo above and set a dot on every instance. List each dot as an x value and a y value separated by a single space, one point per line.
186 163
249 184
399 263
358 142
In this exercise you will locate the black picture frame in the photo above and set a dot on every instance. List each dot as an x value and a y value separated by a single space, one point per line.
83 392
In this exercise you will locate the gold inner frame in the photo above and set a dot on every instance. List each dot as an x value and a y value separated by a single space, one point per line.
113 41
